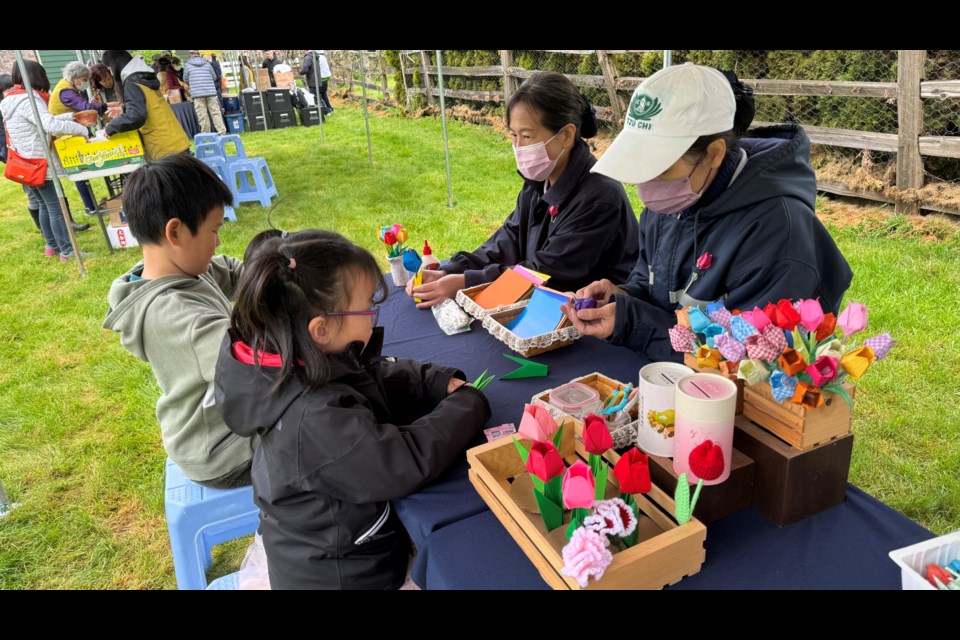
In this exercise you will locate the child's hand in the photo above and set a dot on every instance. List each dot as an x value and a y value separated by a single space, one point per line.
454 384
438 291
429 275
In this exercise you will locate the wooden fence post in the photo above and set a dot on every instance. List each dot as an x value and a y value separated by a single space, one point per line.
610 80
383 75
427 82
910 120
403 77
509 85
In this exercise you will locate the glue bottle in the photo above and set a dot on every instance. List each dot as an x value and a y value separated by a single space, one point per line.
429 261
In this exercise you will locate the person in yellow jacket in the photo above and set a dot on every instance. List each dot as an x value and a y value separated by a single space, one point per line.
146 109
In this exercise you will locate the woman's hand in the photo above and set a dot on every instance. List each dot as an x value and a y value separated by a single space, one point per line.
601 291
429 275
597 322
454 384
437 291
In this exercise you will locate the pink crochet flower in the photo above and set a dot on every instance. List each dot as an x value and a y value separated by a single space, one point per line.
611 517
586 555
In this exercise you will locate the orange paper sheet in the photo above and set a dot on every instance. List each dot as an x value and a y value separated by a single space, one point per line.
509 288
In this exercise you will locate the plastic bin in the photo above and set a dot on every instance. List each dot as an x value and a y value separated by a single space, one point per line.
913 560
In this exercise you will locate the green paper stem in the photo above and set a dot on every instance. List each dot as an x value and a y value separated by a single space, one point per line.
576 521
835 387
631 539
554 490
600 479
558 436
551 512
682 498
696 494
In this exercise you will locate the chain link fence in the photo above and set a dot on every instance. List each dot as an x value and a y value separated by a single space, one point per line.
847 100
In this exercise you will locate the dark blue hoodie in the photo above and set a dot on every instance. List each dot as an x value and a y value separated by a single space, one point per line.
765 239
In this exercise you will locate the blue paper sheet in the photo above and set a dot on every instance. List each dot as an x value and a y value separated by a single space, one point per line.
541 315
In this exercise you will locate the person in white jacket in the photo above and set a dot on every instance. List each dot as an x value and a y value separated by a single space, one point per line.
28 141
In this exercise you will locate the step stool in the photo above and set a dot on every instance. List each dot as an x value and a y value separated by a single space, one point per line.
250 180
198 519
208 150
205 138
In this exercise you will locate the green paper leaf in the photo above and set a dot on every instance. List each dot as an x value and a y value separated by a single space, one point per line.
524 454
803 376
835 387
527 369
600 477
682 497
771 367
558 436
552 512
554 489
631 539
538 484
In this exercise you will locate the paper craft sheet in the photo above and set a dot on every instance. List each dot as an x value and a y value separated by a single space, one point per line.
541 315
509 288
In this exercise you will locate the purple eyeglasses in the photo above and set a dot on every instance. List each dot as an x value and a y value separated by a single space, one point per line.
373 313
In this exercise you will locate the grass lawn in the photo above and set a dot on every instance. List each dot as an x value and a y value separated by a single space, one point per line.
79 445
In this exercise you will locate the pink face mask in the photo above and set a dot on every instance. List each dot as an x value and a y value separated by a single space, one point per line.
669 196
533 161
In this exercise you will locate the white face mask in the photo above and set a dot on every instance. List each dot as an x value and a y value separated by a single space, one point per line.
84 86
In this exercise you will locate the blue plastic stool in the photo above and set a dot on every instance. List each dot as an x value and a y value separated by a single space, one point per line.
250 180
198 519
208 150
234 139
219 165
205 138
229 213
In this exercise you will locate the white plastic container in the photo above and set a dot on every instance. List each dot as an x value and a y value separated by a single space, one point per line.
576 399
706 408
655 426
913 560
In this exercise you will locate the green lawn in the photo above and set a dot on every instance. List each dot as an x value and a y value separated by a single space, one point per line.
79 444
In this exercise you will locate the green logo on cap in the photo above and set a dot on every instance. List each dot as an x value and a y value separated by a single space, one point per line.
644 107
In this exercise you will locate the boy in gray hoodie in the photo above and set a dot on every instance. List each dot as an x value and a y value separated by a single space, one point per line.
173 309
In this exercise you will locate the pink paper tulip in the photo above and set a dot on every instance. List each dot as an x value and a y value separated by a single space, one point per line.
537 423
853 319
822 370
578 487
757 318
811 314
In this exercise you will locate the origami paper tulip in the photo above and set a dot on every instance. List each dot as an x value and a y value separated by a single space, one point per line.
811 314
698 320
596 436
822 370
757 318
389 238
787 316
856 361
536 424
683 319
544 461
729 348
880 344
741 329
708 358
827 328
791 362
807 395
716 305
722 317
753 372
776 338
706 460
771 311
402 235
632 471
711 332
682 339
833 349
730 368
759 348
782 386
704 261
853 319
578 486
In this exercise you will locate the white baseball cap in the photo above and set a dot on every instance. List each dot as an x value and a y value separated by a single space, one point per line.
667 113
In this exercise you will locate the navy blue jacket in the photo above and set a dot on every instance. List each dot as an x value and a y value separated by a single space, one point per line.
593 236
766 241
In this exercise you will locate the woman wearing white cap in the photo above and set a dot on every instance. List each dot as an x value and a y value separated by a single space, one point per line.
725 217
571 224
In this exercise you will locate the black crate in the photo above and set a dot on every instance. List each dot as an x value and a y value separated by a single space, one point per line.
256 122
283 119
278 100
252 102
309 117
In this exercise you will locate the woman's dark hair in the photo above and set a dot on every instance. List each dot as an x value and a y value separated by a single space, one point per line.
257 241
742 118
556 101
116 60
99 73
35 73
5 83
289 281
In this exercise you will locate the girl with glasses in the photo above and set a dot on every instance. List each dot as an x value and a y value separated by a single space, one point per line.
342 430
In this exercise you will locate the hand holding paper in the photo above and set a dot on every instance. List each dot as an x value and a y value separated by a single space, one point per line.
601 291
597 322
437 291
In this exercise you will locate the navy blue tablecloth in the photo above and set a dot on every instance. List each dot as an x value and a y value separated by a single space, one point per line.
463 546
187 117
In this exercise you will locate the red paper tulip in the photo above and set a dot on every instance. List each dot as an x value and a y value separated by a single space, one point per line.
787 316
771 311
596 436
706 461
544 461
632 471
704 261
827 327
389 238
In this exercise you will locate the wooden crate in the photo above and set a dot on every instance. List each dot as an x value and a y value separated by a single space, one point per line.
803 428
790 485
496 323
690 360
465 298
669 554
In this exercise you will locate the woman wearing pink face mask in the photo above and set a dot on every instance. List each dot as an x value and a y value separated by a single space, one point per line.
569 223
726 218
